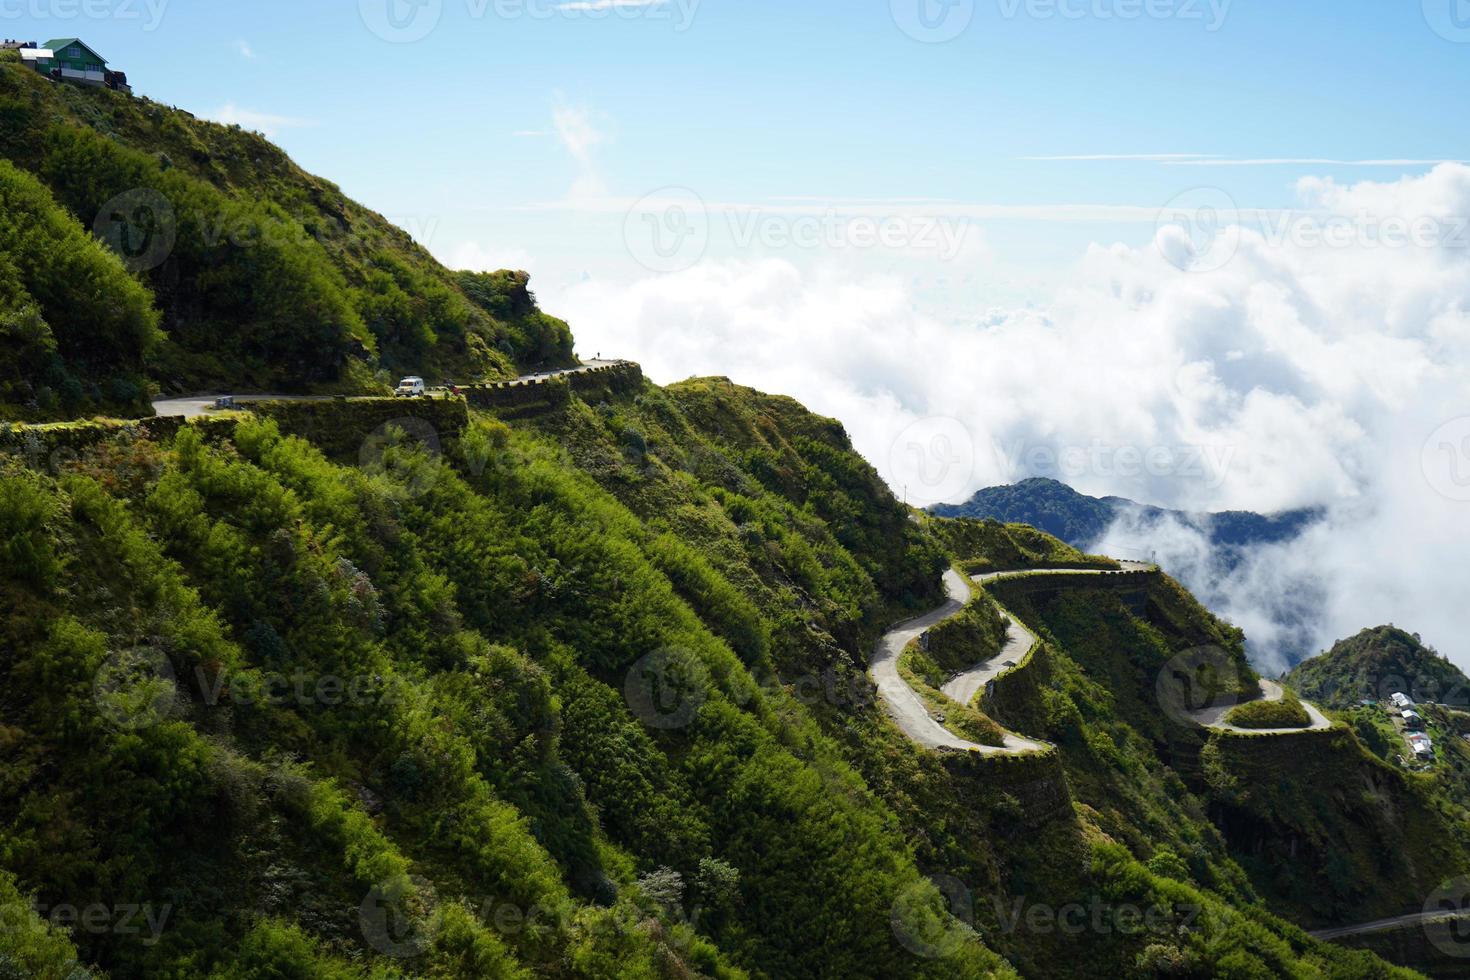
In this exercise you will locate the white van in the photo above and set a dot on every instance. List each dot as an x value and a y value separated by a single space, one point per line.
409 388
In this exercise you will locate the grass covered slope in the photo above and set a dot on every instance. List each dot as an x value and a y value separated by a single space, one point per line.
264 276
1326 832
603 664
1375 664
346 721
68 310
990 546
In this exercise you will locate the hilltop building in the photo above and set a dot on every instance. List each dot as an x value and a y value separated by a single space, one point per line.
69 59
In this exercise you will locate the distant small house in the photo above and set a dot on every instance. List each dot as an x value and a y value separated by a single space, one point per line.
1422 746
69 59
1402 700
1412 719
37 58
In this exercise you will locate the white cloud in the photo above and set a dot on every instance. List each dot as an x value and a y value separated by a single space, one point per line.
1149 157
246 51
264 122
580 132
1220 160
1292 376
488 258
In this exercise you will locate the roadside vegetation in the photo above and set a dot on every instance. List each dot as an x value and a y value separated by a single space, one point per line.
976 634
200 215
1285 712
990 546
920 672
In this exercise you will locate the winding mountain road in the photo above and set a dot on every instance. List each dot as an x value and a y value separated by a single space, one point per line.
912 716
1396 922
903 702
1214 716
965 685
195 406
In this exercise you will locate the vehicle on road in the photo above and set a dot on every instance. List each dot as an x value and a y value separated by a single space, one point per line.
410 388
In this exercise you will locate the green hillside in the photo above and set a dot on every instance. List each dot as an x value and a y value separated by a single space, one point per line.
569 684
604 662
263 277
1375 664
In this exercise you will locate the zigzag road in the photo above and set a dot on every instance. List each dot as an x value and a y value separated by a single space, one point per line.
912 716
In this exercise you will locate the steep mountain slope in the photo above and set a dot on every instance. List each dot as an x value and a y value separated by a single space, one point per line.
566 685
264 276
599 665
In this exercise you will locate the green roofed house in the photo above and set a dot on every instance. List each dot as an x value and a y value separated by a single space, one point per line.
72 60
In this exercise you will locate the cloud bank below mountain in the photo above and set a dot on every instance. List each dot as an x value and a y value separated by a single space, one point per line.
1313 358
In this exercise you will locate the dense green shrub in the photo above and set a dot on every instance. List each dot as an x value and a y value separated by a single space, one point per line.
1286 712
977 634
75 326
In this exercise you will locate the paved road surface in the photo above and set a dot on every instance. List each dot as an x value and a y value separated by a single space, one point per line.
912 716
1213 717
904 705
1398 921
197 405
964 686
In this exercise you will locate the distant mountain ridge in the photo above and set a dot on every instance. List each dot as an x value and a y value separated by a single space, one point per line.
1082 521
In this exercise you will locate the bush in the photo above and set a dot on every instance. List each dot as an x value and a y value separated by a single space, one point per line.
1284 713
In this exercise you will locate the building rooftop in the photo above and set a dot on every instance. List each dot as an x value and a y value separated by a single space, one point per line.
56 44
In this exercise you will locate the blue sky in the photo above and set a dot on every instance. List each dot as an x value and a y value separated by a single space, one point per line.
757 101
880 208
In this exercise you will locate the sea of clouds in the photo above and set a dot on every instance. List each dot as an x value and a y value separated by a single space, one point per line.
1235 360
